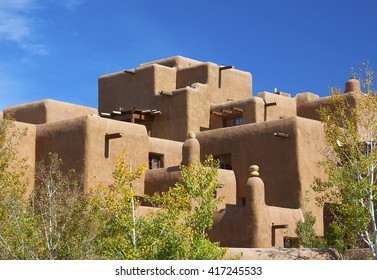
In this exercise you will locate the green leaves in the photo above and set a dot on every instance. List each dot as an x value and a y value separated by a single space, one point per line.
350 125
175 228
60 221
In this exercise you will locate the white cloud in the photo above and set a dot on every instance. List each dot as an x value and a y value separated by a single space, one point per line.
14 27
16 4
69 4
18 25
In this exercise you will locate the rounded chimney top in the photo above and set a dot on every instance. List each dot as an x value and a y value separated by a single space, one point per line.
353 85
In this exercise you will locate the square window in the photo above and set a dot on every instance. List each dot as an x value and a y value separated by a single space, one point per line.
156 161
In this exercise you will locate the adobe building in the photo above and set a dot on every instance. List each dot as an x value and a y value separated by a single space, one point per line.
177 111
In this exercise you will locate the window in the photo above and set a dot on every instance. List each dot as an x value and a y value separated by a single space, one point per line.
225 161
232 121
156 161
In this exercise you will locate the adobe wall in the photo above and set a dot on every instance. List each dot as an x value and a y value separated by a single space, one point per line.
311 148
228 188
254 224
253 111
309 108
178 62
256 144
180 88
265 106
161 179
100 166
186 110
126 90
67 139
47 111
224 85
171 150
82 145
285 106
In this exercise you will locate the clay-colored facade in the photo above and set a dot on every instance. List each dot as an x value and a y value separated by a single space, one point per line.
178 110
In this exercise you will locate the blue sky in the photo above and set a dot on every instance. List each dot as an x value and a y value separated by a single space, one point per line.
58 48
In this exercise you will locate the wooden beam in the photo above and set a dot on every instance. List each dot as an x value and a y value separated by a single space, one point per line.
167 93
237 109
217 113
109 136
227 112
105 115
129 71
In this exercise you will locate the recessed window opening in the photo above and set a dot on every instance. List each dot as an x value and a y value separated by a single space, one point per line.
225 161
233 121
156 161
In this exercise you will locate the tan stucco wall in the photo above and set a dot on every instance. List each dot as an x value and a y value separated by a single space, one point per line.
192 87
253 111
47 111
228 189
126 90
285 108
134 142
256 144
175 61
171 150
67 139
252 223
160 180
80 142
309 108
310 149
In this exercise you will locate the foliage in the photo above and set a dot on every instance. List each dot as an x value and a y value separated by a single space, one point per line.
17 233
50 223
186 214
173 229
60 209
306 234
115 205
350 164
59 221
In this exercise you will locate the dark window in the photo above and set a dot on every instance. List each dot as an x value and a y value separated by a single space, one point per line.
225 161
156 161
238 121
232 121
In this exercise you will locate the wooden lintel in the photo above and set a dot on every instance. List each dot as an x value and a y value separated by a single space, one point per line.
167 93
130 71
217 113
227 112
109 136
271 104
237 109
105 115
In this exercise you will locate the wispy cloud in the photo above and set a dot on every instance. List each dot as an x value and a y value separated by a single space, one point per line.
69 4
18 25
